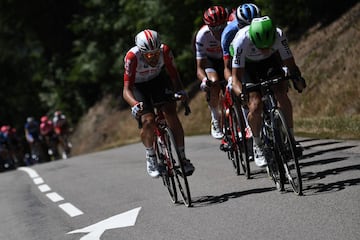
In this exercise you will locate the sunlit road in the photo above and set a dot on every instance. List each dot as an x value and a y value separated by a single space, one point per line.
109 196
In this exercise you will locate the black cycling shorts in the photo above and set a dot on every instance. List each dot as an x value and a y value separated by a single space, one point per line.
155 91
264 69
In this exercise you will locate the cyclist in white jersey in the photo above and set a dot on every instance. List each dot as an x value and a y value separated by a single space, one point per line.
261 50
209 63
145 84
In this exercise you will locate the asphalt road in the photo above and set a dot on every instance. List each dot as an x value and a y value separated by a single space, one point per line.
108 195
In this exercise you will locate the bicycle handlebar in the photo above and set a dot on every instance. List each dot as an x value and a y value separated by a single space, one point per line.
251 87
185 104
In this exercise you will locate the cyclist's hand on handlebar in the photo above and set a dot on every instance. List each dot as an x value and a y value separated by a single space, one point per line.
243 98
204 86
229 84
182 95
136 109
299 83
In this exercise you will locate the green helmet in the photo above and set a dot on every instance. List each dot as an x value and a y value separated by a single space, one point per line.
262 32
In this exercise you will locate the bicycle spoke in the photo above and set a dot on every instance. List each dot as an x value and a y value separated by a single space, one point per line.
288 156
178 169
166 166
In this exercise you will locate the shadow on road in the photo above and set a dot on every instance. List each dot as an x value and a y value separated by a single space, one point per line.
321 188
305 156
209 200
309 177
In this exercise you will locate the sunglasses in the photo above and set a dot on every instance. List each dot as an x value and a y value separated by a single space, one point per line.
217 28
150 55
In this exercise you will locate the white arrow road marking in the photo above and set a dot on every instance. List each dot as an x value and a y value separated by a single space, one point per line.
121 220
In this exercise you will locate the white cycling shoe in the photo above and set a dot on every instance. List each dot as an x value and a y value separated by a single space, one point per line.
215 130
259 156
152 166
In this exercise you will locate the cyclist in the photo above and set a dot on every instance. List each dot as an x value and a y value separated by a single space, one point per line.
62 130
261 50
146 84
209 63
48 134
32 134
244 14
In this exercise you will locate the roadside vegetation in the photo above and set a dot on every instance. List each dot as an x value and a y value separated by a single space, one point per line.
328 108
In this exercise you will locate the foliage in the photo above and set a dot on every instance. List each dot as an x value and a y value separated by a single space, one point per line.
68 54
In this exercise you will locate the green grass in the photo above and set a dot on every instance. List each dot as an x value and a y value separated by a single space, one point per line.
329 127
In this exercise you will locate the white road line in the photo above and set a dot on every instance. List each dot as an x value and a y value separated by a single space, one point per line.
44 188
54 197
38 180
32 173
70 209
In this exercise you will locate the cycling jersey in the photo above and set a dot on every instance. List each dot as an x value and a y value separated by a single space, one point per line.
228 35
245 50
207 46
137 70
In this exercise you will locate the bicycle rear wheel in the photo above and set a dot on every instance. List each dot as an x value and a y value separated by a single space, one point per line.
238 130
166 166
178 168
285 144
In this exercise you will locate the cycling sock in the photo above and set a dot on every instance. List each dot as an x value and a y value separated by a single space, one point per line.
149 151
182 152
214 113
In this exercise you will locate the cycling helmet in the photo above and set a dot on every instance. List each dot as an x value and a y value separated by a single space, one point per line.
215 16
148 41
57 113
246 12
44 119
262 32
30 119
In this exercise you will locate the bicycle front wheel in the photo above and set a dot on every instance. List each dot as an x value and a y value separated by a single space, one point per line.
238 130
286 146
178 167
166 166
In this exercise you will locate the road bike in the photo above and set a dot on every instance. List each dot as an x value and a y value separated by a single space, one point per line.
282 160
171 165
233 125
233 122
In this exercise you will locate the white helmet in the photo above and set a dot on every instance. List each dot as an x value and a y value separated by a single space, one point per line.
147 41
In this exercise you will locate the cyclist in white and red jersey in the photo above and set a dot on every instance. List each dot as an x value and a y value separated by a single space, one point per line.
146 84
209 63
261 51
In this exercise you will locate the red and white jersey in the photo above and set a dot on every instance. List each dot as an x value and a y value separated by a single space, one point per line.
137 70
206 45
245 50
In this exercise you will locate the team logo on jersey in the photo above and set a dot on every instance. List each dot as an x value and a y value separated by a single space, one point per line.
286 45
128 67
237 56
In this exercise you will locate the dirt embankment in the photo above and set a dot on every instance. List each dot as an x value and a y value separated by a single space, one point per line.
327 55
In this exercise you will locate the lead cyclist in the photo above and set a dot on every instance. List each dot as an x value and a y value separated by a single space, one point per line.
261 51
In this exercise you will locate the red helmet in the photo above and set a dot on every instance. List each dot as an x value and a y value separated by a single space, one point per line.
5 128
44 119
215 16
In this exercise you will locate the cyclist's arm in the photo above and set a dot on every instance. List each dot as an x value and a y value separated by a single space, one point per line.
129 78
227 67
237 75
